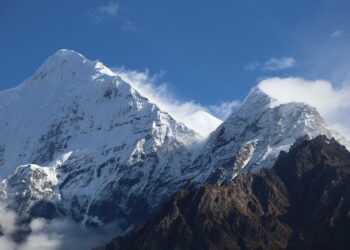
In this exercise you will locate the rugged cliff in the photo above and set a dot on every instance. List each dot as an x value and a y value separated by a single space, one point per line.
303 202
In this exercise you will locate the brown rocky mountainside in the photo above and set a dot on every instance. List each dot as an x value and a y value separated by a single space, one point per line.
303 202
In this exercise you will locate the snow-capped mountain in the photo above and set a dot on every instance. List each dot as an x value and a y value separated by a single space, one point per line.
303 203
76 140
253 137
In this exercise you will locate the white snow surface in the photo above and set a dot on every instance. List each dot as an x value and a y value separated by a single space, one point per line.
77 140
253 137
77 135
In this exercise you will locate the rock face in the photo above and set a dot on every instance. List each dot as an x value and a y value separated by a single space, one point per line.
252 137
303 202
78 141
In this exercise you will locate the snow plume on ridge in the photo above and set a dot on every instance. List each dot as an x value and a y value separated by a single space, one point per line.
57 234
224 109
192 114
332 102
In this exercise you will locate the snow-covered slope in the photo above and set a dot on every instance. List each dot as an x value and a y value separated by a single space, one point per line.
193 115
204 122
252 137
77 140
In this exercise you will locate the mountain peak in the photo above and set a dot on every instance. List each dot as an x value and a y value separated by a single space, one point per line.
67 52
302 203
93 141
72 57
258 100
253 137
65 55
68 67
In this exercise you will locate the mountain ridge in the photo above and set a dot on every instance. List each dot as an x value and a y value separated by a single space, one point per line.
252 137
78 138
300 203
78 141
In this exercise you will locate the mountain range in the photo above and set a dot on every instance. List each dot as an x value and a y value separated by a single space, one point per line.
78 141
303 202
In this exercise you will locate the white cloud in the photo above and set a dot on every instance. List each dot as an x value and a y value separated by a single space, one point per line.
224 109
7 227
8 222
273 64
279 63
337 34
253 66
110 9
127 25
103 12
332 102
57 234
7 243
192 114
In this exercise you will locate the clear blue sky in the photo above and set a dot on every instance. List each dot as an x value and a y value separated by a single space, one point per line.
210 51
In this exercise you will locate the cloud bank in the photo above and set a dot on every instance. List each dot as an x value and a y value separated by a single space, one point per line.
57 234
332 102
201 119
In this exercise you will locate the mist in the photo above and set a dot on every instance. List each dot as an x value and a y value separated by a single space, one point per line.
56 234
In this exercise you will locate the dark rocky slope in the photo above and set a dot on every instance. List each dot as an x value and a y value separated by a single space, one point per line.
303 202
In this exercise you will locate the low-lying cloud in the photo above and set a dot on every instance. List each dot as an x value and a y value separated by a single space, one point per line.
332 102
202 119
57 234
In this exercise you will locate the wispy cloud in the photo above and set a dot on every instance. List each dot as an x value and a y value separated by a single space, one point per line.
57 234
110 11
198 117
332 102
104 12
273 64
253 66
279 63
224 109
127 25
337 34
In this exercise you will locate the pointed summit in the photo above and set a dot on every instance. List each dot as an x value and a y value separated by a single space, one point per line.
103 152
67 53
256 102
64 62
67 69
253 137
258 97
64 56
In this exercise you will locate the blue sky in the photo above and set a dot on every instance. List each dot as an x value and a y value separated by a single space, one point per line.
207 51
